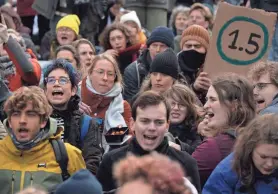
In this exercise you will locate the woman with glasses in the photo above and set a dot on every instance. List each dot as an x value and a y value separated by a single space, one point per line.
183 117
230 106
101 94
253 165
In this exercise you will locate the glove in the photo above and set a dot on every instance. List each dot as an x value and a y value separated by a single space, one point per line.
3 31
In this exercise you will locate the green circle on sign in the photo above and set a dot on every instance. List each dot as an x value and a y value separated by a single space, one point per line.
236 61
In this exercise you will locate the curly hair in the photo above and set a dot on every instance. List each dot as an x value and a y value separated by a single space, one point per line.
163 174
104 38
263 129
235 93
179 9
262 68
24 95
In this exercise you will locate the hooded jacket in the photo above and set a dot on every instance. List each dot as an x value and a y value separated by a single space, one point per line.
37 166
72 122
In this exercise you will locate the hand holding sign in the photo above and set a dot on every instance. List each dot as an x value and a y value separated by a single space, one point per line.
3 31
241 37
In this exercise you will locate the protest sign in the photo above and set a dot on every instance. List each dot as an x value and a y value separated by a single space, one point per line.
240 38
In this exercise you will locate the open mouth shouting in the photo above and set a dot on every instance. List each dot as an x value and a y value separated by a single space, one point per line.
23 133
150 139
57 93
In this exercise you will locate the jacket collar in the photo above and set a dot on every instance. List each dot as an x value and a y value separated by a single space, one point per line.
135 148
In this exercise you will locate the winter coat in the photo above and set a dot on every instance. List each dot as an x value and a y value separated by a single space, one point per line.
37 166
27 68
163 4
134 75
105 176
224 180
186 136
71 120
267 5
211 152
24 8
272 108
127 56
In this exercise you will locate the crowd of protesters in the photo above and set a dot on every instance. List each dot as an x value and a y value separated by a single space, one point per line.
111 96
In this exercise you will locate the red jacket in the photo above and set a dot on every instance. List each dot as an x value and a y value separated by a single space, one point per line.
28 71
211 152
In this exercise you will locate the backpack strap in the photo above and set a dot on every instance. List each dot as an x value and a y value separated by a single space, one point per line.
86 119
61 156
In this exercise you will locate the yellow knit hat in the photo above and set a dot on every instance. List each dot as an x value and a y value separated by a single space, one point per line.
195 32
71 21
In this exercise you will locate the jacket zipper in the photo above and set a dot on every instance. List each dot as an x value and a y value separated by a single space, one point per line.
13 180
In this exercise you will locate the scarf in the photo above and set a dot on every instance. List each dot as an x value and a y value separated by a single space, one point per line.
113 115
43 134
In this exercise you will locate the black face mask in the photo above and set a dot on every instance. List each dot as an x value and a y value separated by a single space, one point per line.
191 60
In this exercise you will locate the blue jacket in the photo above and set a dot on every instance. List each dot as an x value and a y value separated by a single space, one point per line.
272 108
224 180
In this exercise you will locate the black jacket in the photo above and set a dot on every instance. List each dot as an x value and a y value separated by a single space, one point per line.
105 176
90 148
267 5
186 136
135 73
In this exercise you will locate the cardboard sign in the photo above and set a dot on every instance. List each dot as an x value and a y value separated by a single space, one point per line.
241 37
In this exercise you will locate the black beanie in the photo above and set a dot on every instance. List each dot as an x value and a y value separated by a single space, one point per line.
166 63
162 34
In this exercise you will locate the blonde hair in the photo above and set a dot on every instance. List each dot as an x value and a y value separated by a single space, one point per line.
112 60
24 95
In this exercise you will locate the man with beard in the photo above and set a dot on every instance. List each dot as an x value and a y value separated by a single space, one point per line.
194 44
264 78
61 82
26 154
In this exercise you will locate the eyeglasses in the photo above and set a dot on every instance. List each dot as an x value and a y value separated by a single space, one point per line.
61 80
101 73
261 86
180 106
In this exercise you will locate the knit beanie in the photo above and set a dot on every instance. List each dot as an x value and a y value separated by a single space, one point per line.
166 63
81 182
162 34
131 16
195 32
71 21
